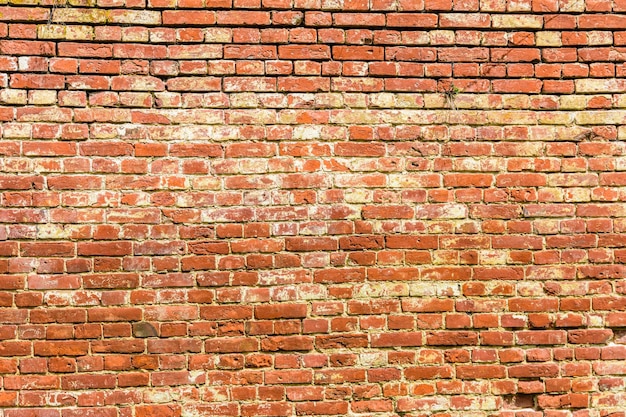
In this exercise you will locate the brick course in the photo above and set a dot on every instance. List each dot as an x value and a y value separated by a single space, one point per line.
312 207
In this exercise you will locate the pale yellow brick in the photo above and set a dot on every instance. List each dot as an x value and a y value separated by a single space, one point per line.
198 116
136 99
382 100
105 131
135 35
373 359
307 132
410 101
510 117
332 4
353 117
553 195
515 101
382 289
79 33
329 100
134 17
252 117
555 118
358 196
218 35
492 257
441 257
597 38
288 117
257 166
420 117
441 37
546 226
595 320
519 6
573 288
422 289
442 289
611 85
420 181
79 3
608 117
572 180
220 133
12 96
244 100
472 117
436 101
571 132
22 2
492 5
42 97
51 31
573 102
548 38
79 15
512 21
620 163
53 231
472 101
16 130
157 36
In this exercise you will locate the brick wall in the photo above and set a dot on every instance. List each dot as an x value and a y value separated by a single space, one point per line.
294 207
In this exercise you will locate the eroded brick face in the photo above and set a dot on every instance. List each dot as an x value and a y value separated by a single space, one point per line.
312 207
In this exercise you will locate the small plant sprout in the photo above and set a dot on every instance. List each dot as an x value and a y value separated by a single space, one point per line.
450 94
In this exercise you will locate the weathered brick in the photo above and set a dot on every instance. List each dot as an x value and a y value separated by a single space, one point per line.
312 207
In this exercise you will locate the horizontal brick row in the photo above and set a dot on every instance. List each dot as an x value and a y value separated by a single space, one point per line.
468 18
290 84
504 340
535 6
403 124
399 266
298 105
302 50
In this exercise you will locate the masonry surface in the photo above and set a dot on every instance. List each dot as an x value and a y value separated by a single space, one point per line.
312 207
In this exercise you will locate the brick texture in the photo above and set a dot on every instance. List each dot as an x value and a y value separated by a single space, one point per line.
312 207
